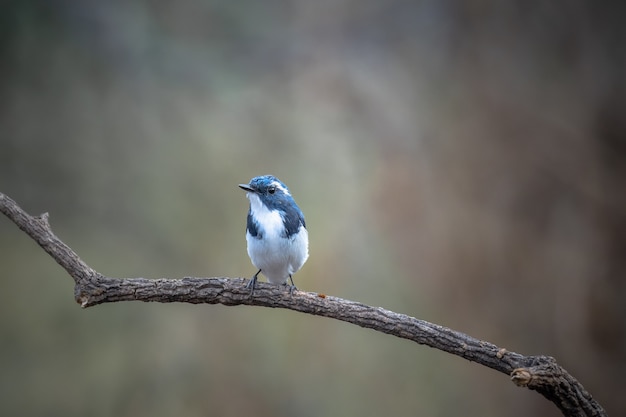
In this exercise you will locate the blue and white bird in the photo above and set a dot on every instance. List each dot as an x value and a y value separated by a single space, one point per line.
278 242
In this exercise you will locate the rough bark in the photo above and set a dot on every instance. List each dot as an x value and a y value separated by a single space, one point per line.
539 373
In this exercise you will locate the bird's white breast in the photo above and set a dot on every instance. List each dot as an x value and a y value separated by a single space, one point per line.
270 221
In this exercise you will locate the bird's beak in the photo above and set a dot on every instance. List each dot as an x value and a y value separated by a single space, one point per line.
246 187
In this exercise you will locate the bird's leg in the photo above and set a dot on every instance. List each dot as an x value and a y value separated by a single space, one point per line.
252 282
293 287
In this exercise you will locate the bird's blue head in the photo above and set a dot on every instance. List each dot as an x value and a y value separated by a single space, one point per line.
271 191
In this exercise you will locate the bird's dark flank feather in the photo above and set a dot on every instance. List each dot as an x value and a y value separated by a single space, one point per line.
253 227
292 219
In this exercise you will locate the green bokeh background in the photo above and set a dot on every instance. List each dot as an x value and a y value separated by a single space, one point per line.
460 162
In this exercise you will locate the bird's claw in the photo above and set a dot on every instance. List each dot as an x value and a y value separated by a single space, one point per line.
252 283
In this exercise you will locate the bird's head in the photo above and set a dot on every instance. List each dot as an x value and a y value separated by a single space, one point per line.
269 189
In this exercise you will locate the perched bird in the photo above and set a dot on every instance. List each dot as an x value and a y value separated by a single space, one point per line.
278 242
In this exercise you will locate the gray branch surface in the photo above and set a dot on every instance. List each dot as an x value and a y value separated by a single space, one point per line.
539 373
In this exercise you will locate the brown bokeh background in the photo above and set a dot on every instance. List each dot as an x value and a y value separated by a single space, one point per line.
461 162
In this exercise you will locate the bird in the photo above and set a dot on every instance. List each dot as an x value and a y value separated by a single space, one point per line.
276 233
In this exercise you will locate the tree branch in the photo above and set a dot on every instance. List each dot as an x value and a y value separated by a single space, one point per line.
538 373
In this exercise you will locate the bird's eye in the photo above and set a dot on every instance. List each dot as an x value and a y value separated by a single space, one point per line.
271 190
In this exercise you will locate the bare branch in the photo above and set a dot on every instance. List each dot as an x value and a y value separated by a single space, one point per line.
539 373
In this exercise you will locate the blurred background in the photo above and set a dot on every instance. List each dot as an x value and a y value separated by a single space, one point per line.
460 162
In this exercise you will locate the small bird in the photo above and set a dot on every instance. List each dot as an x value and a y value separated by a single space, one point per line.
278 242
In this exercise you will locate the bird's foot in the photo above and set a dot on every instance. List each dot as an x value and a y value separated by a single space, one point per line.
292 287
252 283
